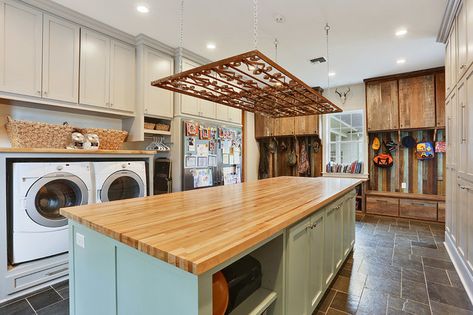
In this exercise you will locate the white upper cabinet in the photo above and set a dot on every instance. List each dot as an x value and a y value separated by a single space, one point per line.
20 49
60 59
221 112
469 31
94 69
122 76
207 108
462 62
189 104
234 115
157 101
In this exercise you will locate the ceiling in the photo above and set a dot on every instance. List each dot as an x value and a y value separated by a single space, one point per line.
362 37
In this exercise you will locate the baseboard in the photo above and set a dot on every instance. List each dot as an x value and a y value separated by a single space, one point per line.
465 276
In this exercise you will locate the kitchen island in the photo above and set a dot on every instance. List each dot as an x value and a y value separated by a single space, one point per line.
157 255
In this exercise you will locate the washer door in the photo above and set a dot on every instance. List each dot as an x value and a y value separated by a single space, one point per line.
51 193
122 185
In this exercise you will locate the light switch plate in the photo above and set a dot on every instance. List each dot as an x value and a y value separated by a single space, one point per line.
403 185
80 240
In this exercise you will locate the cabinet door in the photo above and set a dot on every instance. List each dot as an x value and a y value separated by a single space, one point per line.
382 105
453 57
316 279
440 99
94 69
298 268
283 126
348 212
448 80
329 243
60 60
263 126
338 236
462 128
469 33
468 125
417 102
469 223
306 125
20 49
207 108
452 129
461 42
157 102
462 220
189 104
221 112
448 200
234 115
122 76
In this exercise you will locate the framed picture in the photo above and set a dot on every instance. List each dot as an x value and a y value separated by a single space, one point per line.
190 161
202 161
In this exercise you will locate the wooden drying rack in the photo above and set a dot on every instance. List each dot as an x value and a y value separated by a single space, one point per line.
251 82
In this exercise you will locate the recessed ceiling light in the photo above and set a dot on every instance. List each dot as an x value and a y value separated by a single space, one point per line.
331 74
142 8
401 32
401 61
211 46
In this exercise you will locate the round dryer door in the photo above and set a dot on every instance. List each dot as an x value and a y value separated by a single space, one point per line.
122 185
49 194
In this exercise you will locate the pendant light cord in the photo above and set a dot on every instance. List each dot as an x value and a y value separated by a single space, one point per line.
276 42
327 29
181 35
255 23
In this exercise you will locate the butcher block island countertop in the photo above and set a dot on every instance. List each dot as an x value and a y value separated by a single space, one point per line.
198 230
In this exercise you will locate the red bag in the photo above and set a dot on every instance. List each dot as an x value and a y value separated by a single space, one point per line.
384 160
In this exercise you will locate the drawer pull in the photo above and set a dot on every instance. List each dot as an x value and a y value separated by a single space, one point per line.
383 201
419 204
52 273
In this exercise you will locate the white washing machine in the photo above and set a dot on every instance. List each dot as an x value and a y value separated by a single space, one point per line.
39 191
119 180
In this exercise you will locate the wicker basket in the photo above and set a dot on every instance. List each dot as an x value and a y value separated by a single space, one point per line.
162 127
110 139
149 126
30 134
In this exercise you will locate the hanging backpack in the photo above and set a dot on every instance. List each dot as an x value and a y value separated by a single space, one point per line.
383 160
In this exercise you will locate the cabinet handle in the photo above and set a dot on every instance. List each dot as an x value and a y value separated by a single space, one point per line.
418 204
45 93
111 104
463 139
38 92
146 110
56 272
462 67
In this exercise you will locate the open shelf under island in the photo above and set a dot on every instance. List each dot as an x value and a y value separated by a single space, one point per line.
157 255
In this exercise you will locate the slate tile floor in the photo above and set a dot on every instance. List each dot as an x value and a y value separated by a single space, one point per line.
398 267
52 300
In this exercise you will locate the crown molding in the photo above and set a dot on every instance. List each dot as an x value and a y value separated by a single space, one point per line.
448 18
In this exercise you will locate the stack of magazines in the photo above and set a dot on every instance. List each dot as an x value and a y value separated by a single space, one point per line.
355 167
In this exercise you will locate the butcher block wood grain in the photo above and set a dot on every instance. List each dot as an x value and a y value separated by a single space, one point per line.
382 205
71 151
382 105
199 229
263 126
441 212
417 102
418 209
440 99
306 125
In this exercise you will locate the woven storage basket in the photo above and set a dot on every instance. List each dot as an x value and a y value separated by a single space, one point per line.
162 127
30 134
110 139
149 126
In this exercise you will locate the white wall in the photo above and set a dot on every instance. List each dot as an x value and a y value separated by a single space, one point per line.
251 153
33 113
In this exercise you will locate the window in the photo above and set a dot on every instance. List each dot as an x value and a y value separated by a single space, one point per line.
345 142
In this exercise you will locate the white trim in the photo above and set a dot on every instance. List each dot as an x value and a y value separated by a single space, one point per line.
448 18
465 276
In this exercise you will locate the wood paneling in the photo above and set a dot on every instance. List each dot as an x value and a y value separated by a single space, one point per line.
441 212
382 205
199 229
382 105
384 179
417 209
284 126
263 126
307 125
417 102
440 99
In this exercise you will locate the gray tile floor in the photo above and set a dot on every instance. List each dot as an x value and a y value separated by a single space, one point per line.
398 267
52 300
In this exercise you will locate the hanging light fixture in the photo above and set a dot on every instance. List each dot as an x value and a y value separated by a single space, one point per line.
250 81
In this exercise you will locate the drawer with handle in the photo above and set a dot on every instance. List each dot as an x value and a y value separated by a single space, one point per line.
383 206
418 209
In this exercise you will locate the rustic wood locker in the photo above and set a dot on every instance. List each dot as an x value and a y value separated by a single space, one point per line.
382 105
417 102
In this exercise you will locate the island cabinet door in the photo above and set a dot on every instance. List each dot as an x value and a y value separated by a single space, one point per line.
316 280
298 268
347 226
329 237
338 236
